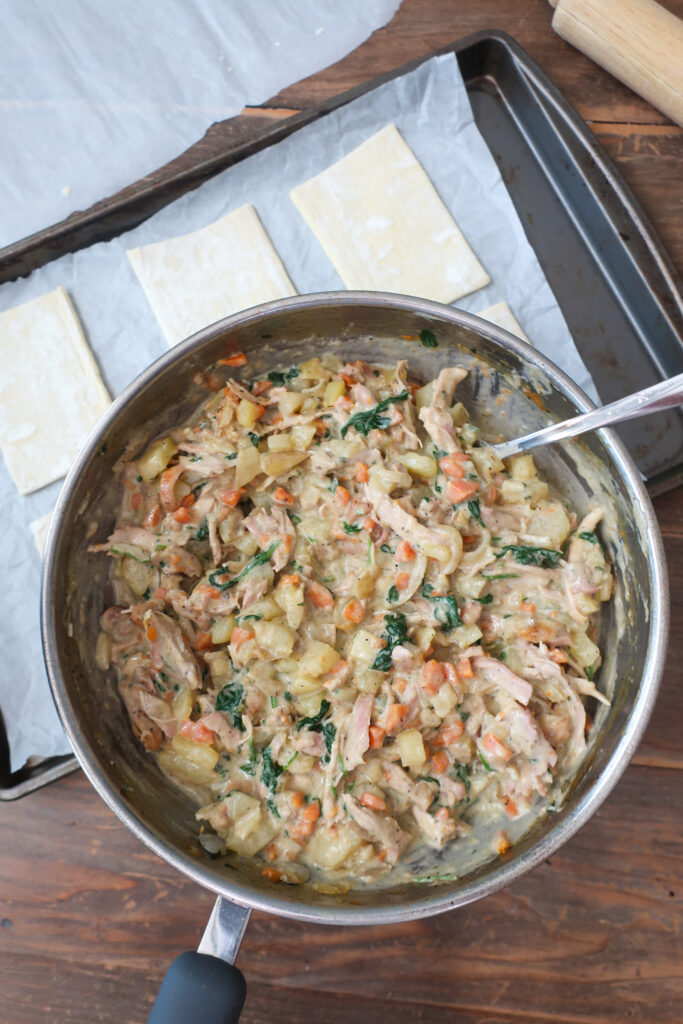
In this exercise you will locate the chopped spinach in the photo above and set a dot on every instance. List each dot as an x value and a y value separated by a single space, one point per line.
273 701
392 593
545 558
475 511
589 536
314 722
203 531
486 599
396 633
271 771
279 377
230 456
590 673
350 528
364 422
446 609
428 339
483 760
260 558
253 437
503 576
462 773
328 732
230 700
386 549
294 517
249 767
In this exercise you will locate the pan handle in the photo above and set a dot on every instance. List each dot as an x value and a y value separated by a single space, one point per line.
204 986
199 987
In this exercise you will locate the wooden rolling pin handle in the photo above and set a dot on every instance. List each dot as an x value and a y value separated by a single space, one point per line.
637 41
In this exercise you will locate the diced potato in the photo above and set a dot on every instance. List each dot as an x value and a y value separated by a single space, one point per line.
586 605
276 463
550 522
424 467
313 369
267 608
514 491
368 681
486 462
136 575
221 630
247 413
198 772
244 812
290 598
388 479
301 685
247 544
302 436
429 719
583 649
309 703
156 459
444 700
311 404
423 637
423 395
280 443
459 414
363 647
411 748
219 664
471 586
103 651
317 659
198 753
290 403
263 834
274 637
364 586
333 390
466 636
182 704
344 449
247 465
329 847
522 467
469 434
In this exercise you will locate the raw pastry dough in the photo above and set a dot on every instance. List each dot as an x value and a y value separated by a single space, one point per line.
501 315
51 393
39 529
382 224
193 280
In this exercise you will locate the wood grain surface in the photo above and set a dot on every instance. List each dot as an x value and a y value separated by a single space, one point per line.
89 919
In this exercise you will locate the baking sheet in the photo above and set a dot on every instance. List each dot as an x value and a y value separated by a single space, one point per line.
431 110
96 95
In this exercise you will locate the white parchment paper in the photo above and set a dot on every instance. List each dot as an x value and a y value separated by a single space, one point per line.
94 95
431 110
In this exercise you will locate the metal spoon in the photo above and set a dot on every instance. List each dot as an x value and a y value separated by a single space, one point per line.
659 396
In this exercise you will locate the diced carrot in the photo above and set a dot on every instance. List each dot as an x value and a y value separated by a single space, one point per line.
377 735
375 803
348 380
558 656
160 594
459 490
361 473
343 494
272 874
271 852
290 579
432 676
470 538
354 611
167 484
240 636
153 517
501 842
230 496
260 409
237 359
510 806
151 634
464 668
369 524
344 403
442 814
491 494
189 500
450 733
320 596
297 799
259 387
136 501
196 731
528 607
492 745
400 684
403 580
151 741
208 591
440 762
450 673
182 515
405 552
288 543
307 819
277 418
408 337
452 467
395 717
202 642
282 497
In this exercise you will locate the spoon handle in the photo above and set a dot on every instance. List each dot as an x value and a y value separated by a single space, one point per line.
659 396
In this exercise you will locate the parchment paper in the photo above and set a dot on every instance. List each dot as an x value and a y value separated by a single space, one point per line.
431 110
94 95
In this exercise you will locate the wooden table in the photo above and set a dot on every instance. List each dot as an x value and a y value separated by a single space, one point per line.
90 919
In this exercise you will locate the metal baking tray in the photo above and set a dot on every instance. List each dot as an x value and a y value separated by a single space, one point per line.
617 287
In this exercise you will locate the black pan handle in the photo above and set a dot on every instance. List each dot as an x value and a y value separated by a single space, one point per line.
199 987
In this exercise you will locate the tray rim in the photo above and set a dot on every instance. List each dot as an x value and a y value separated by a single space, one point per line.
67 236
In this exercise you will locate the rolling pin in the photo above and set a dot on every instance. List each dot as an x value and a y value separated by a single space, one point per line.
637 41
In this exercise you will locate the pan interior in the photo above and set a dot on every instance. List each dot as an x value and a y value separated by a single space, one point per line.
507 394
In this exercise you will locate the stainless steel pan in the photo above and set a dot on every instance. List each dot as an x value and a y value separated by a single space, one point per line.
373 326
